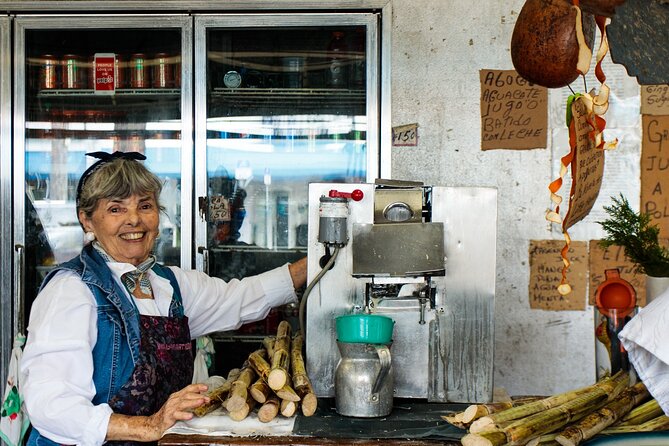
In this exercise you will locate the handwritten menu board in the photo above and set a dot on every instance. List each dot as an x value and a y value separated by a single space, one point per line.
514 112
587 169
655 169
602 259
546 274
655 99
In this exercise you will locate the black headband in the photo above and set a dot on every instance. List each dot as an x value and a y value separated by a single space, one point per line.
104 158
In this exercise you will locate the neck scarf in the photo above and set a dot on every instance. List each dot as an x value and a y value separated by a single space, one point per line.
136 282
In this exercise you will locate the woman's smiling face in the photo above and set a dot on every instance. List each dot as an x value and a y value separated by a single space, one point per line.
126 228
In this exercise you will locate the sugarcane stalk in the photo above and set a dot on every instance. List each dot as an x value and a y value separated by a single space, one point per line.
656 424
544 440
278 376
288 408
217 395
534 407
239 392
301 382
642 413
268 343
475 411
243 411
269 410
262 368
491 438
523 430
260 391
595 422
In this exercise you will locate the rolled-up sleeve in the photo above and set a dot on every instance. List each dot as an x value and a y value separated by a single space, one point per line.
212 304
57 365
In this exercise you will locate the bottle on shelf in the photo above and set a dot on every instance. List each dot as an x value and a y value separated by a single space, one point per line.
359 66
337 71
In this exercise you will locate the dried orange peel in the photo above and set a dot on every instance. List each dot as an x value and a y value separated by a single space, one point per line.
596 104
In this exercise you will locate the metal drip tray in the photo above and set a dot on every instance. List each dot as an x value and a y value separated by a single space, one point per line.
398 249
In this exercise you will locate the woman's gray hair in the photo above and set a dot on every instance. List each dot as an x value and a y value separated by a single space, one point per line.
118 179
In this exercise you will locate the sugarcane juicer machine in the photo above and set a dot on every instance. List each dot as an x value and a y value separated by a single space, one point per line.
422 255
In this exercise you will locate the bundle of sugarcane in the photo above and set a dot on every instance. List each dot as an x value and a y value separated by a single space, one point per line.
519 425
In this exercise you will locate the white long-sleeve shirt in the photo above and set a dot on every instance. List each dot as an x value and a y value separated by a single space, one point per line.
57 364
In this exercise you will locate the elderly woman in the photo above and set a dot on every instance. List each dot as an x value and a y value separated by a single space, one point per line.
108 356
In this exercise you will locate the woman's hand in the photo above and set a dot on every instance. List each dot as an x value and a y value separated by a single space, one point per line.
178 407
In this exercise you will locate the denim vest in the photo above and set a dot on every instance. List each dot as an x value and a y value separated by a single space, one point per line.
117 346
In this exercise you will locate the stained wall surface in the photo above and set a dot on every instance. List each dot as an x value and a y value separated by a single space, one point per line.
438 48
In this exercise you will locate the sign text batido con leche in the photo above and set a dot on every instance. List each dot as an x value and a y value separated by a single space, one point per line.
514 112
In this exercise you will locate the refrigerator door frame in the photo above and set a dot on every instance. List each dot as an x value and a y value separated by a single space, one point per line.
378 89
92 22
8 323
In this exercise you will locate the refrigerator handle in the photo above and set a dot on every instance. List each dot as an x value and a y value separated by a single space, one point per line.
19 291
205 258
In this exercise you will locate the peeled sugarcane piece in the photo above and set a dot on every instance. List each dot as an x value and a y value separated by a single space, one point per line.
596 422
525 410
456 420
269 410
268 343
522 430
217 395
243 411
288 408
260 390
278 375
301 382
660 423
262 368
476 411
642 413
239 391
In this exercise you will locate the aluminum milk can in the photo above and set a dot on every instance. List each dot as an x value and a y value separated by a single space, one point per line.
364 380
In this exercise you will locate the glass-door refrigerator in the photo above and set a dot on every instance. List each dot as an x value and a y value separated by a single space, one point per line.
281 100
86 84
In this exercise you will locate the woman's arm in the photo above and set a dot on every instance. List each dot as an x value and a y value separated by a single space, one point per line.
178 407
298 272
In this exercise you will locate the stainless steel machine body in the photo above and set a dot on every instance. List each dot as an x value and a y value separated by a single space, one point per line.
424 256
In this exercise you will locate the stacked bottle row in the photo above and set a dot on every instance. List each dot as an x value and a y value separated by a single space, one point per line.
135 71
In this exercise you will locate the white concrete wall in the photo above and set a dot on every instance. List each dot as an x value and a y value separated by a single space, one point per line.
438 48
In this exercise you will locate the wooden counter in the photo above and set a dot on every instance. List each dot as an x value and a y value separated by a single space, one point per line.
205 440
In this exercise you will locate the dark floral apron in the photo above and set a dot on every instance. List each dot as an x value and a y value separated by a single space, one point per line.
165 365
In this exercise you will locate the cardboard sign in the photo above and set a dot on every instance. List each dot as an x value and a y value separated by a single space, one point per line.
655 170
602 259
104 73
405 135
546 274
219 209
587 169
655 99
514 113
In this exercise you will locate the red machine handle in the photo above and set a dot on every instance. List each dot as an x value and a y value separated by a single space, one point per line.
356 195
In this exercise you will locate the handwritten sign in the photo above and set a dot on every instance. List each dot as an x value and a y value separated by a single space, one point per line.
655 170
655 99
546 274
587 169
514 112
219 209
405 135
612 257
